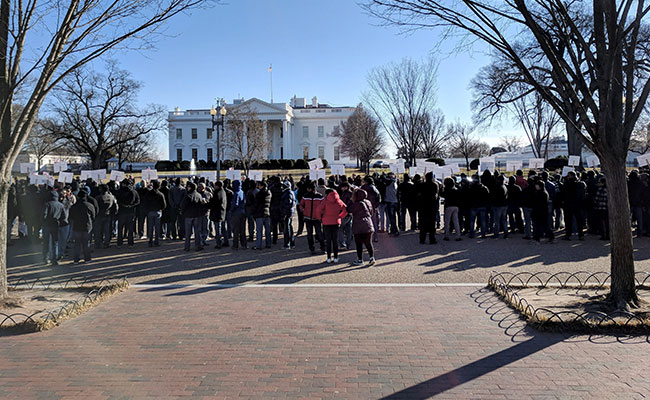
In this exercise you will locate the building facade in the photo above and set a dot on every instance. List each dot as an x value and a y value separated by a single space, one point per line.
295 130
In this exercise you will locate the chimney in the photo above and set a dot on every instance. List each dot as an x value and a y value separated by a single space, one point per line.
314 102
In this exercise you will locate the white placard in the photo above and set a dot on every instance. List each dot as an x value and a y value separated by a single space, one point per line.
33 178
86 174
316 164
255 175
316 174
65 177
534 163
486 165
417 171
149 174
428 166
593 161
566 170
338 169
117 176
99 174
514 165
484 160
644 160
574 161
233 174
397 168
27 168
60 166
210 176
455 169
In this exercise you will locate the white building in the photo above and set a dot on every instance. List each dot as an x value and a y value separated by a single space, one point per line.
296 130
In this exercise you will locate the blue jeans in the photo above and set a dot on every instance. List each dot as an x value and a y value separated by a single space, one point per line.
125 225
480 212
64 236
527 222
637 214
392 209
263 223
500 220
50 241
195 224
345 232
103 231
382 217
287 231
220 233
153 224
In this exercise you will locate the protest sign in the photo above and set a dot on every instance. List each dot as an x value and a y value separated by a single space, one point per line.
65 177
117 176
338 169
233 174
574 161
316 164
566 170
514 165
535 163
316 174
27 168
255 175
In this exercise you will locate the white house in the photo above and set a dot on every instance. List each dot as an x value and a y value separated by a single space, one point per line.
296 130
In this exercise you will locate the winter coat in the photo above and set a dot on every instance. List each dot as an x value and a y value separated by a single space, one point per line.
361 211
288 201
263 200
309 205
53 214
128 200
191 206
250 201
574 194
372 194
407 193
107 204
540 204
499 195
218 205
514 196
636 191
479 195
82 214
428 198
451 195
276 200
155 201
176 196
238 204
331 210
391 191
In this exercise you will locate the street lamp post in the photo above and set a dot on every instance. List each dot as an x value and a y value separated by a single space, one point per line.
216 122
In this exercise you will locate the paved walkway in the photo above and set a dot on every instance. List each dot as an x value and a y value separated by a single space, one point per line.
400 260
315 342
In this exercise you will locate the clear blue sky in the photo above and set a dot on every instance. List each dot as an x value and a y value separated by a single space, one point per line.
317 48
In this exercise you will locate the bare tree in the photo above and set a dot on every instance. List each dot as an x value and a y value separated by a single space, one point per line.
139 149
434 135
41 143
81 31
598 61
97 113
399 96
511 143
464 143
245 135
359 137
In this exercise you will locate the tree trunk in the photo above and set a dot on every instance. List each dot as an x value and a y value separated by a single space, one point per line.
4 193
573 140
623 292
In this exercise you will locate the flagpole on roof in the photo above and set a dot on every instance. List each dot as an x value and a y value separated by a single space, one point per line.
271 76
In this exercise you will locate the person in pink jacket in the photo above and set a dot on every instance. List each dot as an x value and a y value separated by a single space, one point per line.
330 212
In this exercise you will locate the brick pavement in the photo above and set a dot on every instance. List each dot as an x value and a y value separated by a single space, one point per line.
307 342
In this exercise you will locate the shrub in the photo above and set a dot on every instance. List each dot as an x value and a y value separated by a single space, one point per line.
438 161
556 163
301 164
474 164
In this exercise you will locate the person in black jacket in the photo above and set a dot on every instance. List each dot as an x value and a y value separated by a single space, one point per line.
407 199
287 208
192 211
540 212
427 199
636 191
53 217
82 214
514 206
218 204
499 195
251 191
127 201
573 198
452 199
102 226
262 214
479 201
275 187
156 203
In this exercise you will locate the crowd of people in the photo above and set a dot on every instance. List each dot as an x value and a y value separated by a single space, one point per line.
334 214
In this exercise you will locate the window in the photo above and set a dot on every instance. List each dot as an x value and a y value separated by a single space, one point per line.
209 155
321 151
321 131
179 133
305 132
179 155
305 152
208 133
195 154
337 153
195 134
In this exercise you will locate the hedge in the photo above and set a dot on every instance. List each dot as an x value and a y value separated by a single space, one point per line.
202 165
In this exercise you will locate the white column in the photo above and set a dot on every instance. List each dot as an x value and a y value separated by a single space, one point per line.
285 139
266 135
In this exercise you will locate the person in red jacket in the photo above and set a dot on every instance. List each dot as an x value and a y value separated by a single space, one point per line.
330 212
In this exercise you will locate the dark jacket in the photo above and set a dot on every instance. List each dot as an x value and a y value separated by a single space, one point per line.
218 204
53 214
407 193
514 196
372 194
107 205
309 204
451 195
191 205
574 194
128 200
428 198
499 195
262 204
176 196
276 200
479 195
155 201
238 204
250 201
361 211
636 191
82 214
540 204
288 201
